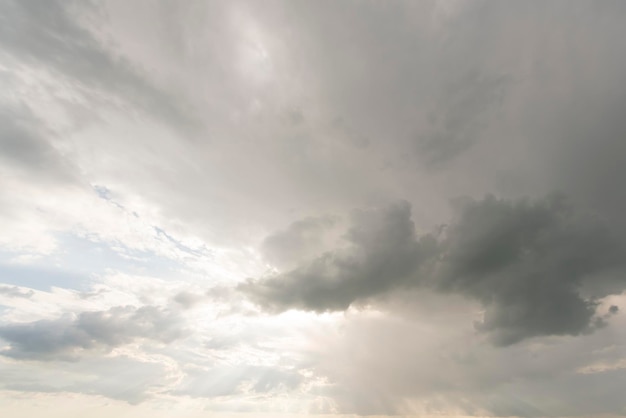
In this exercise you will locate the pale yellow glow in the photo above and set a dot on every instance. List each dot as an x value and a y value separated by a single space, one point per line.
69 405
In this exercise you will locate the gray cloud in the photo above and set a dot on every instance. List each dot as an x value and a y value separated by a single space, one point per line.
187 299
67 337
318 107
25 145
525 261
387 364
467 104
15 292
116 377
49 34
301 240
383 252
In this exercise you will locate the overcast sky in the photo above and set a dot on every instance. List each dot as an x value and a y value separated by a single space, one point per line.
284 208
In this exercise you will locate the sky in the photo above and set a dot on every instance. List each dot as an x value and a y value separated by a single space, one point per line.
312 208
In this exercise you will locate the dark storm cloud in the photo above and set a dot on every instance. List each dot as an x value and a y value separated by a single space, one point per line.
48 34
525 261
66 337
383 253
591 166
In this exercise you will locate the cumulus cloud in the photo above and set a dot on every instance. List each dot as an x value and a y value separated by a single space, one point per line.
383 253
524 260
66 338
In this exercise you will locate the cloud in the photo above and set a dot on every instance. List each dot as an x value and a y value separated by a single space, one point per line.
232 380
68 337
301 240
187 299
49 34
467 104
524 260
308 109
382 253
400 364
120 377
26 147
15 292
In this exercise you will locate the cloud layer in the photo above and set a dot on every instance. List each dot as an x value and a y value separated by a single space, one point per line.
313 207
524 261
66 338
